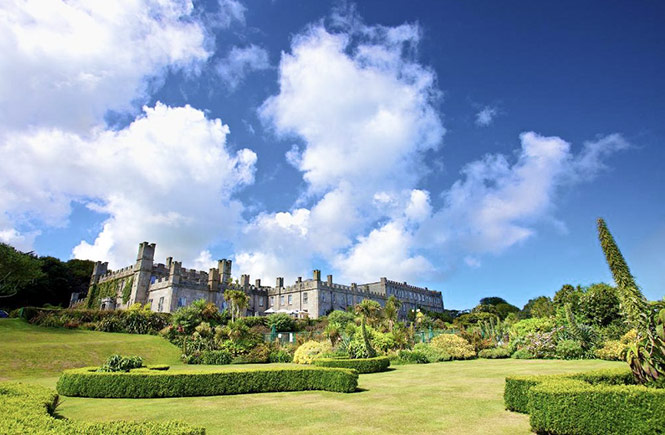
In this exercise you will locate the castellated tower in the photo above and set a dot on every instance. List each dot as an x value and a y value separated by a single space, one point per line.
142 273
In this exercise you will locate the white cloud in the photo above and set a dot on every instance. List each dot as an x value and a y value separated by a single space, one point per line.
167 178
65 64
486 116
496 204
240 62
229 11
364 109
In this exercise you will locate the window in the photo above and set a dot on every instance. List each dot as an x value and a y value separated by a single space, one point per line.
153 279
290 299
160 306
333 298
272 301
323 297
182 301
260 302
304 297
281 300
349 299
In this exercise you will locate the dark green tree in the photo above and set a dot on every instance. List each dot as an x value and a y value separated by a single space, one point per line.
541 306
568 294
646 356
492 300
599 304
17 270
368 310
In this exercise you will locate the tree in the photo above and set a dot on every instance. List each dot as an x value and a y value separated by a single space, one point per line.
368 310
238 300
568 294
600 304
17 270
391 311
492 300
541 306
646 356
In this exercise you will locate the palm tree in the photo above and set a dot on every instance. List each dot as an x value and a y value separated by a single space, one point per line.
238 300
392 310
368 310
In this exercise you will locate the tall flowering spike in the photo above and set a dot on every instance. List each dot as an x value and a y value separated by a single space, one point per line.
633 303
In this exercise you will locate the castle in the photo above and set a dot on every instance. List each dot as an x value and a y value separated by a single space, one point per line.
169 286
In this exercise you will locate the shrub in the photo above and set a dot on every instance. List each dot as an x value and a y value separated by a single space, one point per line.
29 409
453 345
218 357
309 351
361 365
259 354
612 350
87 382
412 357
569 349
528 326
118 363
281 321
523 354
517 387
433 354
280 356
495 353
158 367
541 344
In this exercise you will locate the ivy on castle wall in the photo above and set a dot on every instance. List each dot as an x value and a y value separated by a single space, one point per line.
127 290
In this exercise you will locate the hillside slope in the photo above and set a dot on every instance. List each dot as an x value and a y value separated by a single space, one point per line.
32 351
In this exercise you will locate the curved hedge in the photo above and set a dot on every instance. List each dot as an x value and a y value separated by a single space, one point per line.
587 403
361 365
28 409
87 382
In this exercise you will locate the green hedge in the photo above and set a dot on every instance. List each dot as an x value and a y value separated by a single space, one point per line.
86 382
28 409
361 365
587 403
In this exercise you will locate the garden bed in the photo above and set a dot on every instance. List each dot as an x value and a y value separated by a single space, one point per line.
87 382
587 403
361 365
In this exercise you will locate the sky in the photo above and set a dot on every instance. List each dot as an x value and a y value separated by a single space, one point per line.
464 146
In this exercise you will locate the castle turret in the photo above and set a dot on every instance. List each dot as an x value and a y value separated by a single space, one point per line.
279 283
213 280
142 273
317 275
224 267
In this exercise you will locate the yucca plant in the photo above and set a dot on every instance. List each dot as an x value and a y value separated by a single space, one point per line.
646 356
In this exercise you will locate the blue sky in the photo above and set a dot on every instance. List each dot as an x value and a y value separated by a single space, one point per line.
464 146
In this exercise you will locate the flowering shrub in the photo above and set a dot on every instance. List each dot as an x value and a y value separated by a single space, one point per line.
453 345
542 344
309 351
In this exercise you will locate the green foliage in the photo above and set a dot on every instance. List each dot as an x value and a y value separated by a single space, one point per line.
87 382
341 318
600 304
17 270
646 357
527 326
504 310
569 349
127 290
187 318
238 300
133 321
433 354
541 306
118 363
612 350
280 356
282 322
215 357
523 353
494 353
453 345
516 392
361 365
492 300
583 334
412 357
568 294
391 311
30 409
309 351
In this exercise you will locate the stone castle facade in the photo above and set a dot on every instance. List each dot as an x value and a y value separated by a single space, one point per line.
169 286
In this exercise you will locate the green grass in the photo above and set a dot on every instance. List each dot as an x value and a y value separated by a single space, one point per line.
450 397
33 352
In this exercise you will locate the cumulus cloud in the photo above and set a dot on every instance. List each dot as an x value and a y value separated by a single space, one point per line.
168 177
496 204
486 116
363 108
65 64
240 62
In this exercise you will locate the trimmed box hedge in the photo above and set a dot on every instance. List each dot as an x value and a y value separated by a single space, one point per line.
587 403
28 409
361 365
87 382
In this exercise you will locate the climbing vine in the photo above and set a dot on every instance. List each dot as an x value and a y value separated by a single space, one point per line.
127 290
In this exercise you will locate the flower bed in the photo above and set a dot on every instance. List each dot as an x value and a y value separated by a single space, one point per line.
87 382
587 403
28 409
361 365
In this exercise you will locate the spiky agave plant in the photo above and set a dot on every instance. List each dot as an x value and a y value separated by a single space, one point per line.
646 356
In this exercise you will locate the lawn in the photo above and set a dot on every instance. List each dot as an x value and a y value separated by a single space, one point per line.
450 397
